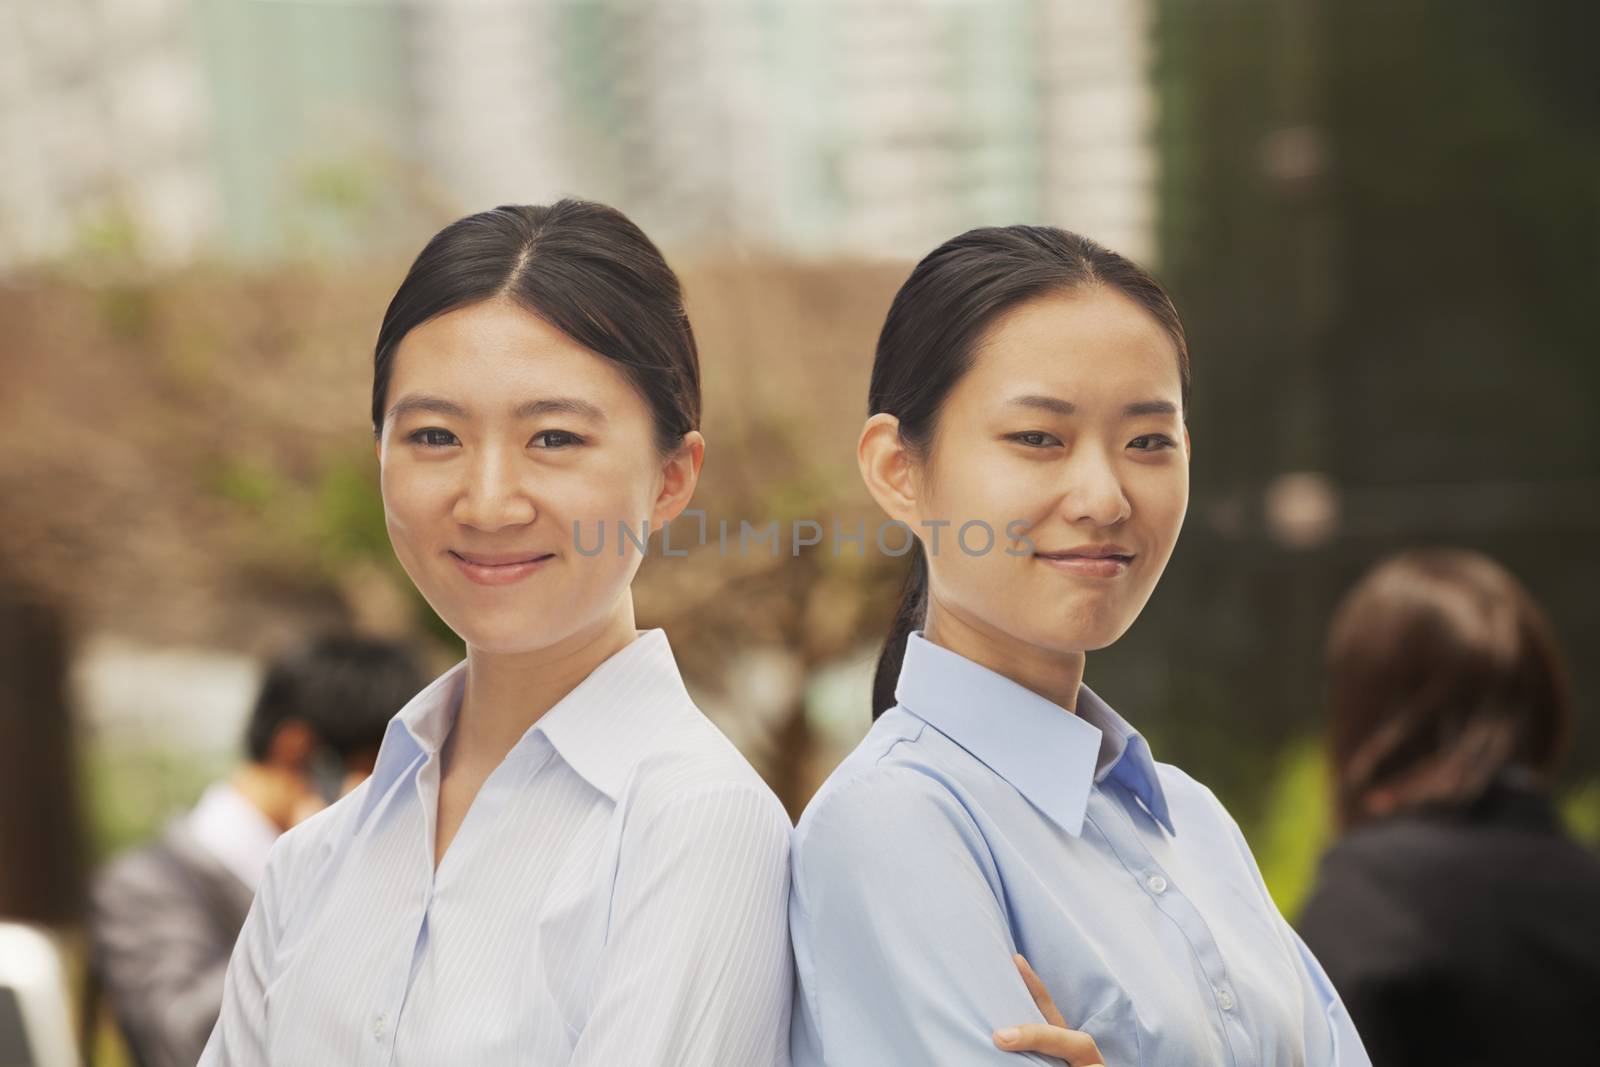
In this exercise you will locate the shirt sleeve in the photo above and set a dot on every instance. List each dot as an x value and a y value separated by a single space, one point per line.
239 1038
696 966
1343 1047
902 945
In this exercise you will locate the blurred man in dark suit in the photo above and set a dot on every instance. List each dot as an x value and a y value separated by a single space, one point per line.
165 916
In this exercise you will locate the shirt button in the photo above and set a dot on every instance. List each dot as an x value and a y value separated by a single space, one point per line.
377 1026
1157 884
1225 999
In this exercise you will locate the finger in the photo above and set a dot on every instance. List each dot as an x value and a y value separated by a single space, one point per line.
1074 1046
1041 995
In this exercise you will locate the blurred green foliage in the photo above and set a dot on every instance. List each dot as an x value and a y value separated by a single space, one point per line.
131 792
242 480
347 510
1296 824
1581 810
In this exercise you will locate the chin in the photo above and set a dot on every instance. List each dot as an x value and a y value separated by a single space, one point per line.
508 646
487 634
1076 633
507 640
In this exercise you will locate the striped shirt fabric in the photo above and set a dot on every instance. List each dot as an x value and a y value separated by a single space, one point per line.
616 894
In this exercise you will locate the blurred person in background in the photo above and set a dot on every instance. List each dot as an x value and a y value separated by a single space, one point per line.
1455 915
999 813
558 858
165 916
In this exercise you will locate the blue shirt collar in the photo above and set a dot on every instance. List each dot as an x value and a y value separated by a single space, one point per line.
601 728
1052 756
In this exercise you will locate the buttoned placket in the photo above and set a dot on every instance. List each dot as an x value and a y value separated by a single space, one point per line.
378 1038
385 1017
1121 833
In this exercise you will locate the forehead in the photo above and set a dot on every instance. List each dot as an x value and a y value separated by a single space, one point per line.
488 347
1081 346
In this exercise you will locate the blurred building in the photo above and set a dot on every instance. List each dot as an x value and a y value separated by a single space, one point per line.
263 128
104 118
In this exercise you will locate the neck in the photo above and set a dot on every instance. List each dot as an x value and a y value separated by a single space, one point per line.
273 791
1053 674
507 692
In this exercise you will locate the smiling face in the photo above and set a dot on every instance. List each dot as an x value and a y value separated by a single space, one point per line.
1068 429
500 433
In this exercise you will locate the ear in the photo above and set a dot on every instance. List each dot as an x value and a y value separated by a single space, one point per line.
291 745
679 477
1188 446
888 467
377 448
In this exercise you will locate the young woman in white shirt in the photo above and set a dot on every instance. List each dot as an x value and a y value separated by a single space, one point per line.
557 859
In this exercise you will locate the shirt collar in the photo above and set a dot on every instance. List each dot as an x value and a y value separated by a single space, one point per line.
1052 756
602 728
234 831
620 713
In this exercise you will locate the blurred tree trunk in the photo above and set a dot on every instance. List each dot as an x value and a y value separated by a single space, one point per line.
41 832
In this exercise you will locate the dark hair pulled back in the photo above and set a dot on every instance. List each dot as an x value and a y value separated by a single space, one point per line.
934 326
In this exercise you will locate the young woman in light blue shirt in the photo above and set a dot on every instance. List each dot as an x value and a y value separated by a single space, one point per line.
1027 423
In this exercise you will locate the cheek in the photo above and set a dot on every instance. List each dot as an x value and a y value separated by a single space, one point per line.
420 485
611 492
1163 501
995 491
590 513
406 495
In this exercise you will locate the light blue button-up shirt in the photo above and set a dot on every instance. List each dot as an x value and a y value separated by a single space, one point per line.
615 895
978 819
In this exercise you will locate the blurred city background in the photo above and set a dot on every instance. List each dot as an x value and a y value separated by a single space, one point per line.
1380 220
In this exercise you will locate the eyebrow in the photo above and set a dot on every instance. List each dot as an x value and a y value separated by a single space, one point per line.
554 405
1057 406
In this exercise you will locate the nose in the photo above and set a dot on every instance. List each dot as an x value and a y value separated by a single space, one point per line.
494 493
1094 491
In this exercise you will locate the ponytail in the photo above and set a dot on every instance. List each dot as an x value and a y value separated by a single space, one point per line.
913 610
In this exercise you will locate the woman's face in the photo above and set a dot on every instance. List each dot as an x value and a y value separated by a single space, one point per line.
500 433
1068 429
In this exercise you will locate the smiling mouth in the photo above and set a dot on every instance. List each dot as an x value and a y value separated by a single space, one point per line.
506 573
1110 565
481 562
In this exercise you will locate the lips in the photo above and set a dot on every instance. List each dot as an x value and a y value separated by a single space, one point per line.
500 568
1090 561
498 559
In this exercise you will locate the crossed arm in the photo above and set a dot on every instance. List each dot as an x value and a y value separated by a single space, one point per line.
903 951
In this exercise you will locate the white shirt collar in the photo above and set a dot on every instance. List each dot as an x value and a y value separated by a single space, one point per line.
595 728
232 829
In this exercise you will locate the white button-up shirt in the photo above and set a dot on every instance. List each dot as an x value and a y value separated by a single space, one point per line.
615 895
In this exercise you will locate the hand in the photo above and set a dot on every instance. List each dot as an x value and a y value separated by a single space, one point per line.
1052 1036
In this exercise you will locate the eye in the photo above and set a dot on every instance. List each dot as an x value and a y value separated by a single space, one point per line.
1152 442
1034 439
430 437
557 438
